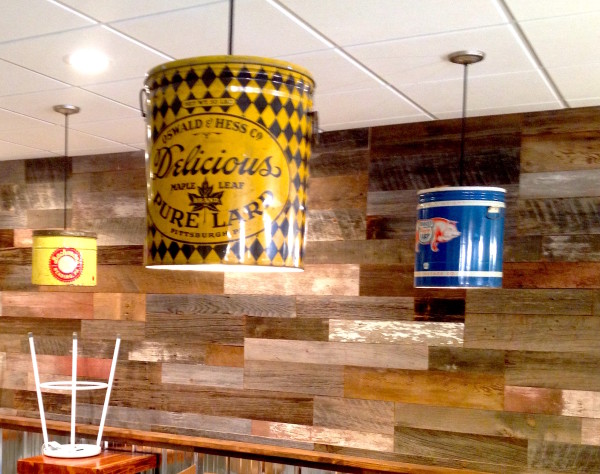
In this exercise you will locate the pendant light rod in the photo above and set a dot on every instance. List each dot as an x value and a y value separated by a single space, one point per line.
465 58
230 41
66 110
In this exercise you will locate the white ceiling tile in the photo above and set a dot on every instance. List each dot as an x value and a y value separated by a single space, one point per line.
199 31
126 92
533 9
13 121
556 45
426 58
354 22
332 72
502 93
47 55
246 41
112 10
18 80
361 108
128 131
93 108
35 18
12 151
578 83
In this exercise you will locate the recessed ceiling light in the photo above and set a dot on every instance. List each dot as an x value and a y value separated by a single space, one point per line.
88 61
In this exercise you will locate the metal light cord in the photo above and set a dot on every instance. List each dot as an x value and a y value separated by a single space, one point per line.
66 162
461 175
230 42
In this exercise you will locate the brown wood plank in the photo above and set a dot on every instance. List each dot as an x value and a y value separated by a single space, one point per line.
467 390
372 416
413 357
121 255
562 457
435 444
334 141
460 359
23 237
523 426
290 377
360 252
396 332
314 434
306 329
7 237
224 355
115 180
518 249
560 152
124 204
106 462
386 280
232 305
197 327
558 216
166 351
444 305
20 326
114 231
326 161
337 224
315 280
551 275
202 375
109 162
348 307
551 401
576 120
559 184
571 370
48 305
48 170
15 256
120 306
338 192
107 329
555 302
571 248
392 203
558 333
400 226
12 172
48 218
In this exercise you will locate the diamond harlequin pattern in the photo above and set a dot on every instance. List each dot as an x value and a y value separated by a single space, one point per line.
268 94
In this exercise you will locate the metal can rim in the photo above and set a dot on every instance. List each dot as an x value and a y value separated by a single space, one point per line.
64 233
461 188
224 59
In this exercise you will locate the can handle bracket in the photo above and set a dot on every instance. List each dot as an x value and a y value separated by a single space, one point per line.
143 100
313 115
493 213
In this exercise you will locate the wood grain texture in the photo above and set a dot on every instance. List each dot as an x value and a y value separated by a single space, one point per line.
371 416
307 329
349 307
559 184
329 162
551 275
201 375
106 462
571 248
558 216
222 355
338 224
560 152
497 423
467 390
121 255
201 328
48 305
461 359
386 280
109 162
396 332
164 351
360 252
119 306
7 238
550 401
355 439
561 457
315 280
521 332
338 192
307 378
412 357
574 120
559 301
342 140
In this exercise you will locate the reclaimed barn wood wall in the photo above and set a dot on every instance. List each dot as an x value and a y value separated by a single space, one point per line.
346 357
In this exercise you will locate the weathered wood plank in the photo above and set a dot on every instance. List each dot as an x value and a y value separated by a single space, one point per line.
48 218
328 162
489 422
396 332
114 231
559 216
590 431
460 359
571 248
576 120
401 226
557 333
48 305
20 326
392 203
386 280
443 305
106 329
560 152
12 172
338 192
202 375
222 355
467 390
315 280
120 306
338 140
518 249
123 204
413 357
552 401
571 370
551 275
559 301
48 170
562 457
306 329
23 237
121 255
7 237
198 327
15 256
359 252
109 181
337 224
108 162
233 305
348 307
559 184
354 439
311 379
372 416
164 351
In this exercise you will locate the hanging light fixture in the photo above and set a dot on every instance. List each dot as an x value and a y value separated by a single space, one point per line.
460 229
228 143
64 257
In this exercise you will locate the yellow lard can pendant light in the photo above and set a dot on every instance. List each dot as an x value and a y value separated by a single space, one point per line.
228 145
64 257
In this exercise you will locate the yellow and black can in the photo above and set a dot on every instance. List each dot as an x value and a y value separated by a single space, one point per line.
228 144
